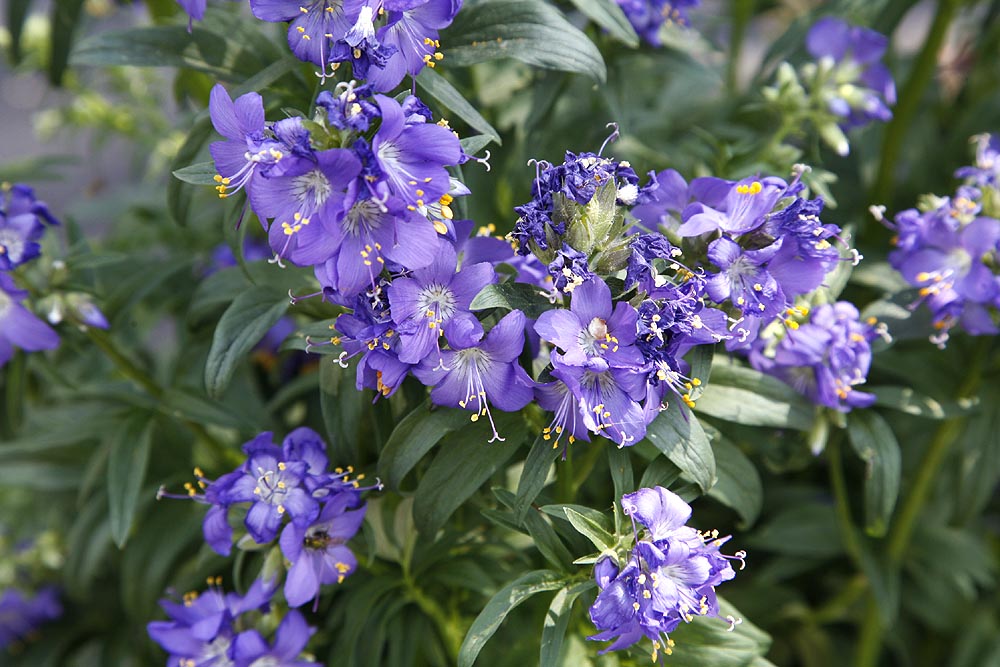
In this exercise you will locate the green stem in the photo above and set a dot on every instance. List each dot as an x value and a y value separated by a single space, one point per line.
836 608
742 11
844 522
898 541
910 98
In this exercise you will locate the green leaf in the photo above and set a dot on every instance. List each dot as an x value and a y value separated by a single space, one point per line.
541 532
556 622
700 359
745 396
65 17
130 448
170 46
413 437
202 173
533 475
622 477
708 641
441 89
17 11
344 409
242 326
805 529
682 439
474 144
590 528
464 462
739 486
876 444
609 15
512 296
914 403
501 604
530 31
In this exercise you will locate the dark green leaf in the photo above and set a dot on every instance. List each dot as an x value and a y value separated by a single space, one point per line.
700 359
179 196
65 17
242 326
533 475
170 46
441 89
499 606
512 296
201 409
739 485
807 529
660 472
681 438
622 477
530 31
413 437
608 15
17 11
556 622
343 407
202 173
465 460
875 443
130 448
745 396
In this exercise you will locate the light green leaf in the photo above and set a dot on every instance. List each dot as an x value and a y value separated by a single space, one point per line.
739 485
533 475
590 528
530 31
745 396
202 173
914 403
512 296
708 641
556 622
501 604
242 326
130 448
609 15
876 444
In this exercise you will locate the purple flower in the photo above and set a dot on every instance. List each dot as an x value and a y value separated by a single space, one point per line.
314 26
567 419
806 254
411 155
476 371
591 334
424 303
608 400
824 359
663 204
863 89
569 270
648 16
413 35
350 109
306 204
18 326
200 631
21 217
734 207
743 278
318 553
251 650
20 615
986 171
669 576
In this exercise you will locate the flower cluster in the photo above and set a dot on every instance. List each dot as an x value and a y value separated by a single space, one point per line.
949 248
288 493
22 224
824 358
649 16
214 628
668 577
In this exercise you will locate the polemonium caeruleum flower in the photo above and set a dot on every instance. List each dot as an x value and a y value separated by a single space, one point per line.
986 171
856 86
648 16
425 302
412 33
593 332
609 399
18 326
478 371
201 628
318 553
669 577
314 26
734 207
825 359
21 614
743 278
21 225
250 649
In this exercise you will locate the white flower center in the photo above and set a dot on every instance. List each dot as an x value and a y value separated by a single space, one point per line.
12 245
314 186
437 301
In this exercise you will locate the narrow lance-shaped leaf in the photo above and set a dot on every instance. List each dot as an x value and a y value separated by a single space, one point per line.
876 444
556 622
127 462
441 89
681 438
501 604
